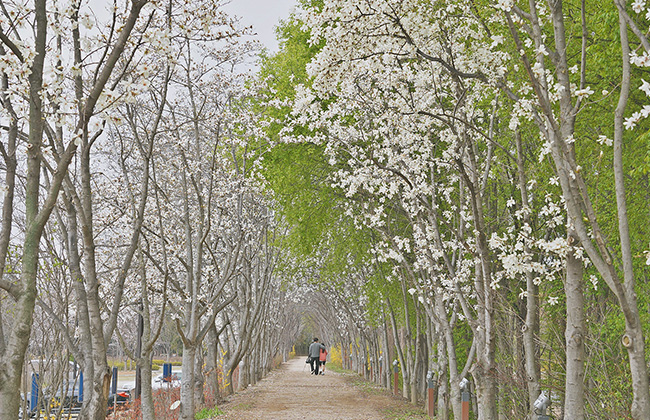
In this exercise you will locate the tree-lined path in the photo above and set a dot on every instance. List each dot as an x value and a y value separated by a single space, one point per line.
291 393
454 189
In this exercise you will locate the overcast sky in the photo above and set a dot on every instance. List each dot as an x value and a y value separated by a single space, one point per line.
263 15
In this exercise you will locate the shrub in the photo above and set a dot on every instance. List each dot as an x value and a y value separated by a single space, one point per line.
114 363
336 356
160 362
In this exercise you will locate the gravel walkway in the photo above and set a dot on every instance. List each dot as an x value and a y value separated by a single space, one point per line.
291 393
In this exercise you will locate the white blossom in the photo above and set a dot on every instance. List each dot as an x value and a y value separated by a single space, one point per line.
603 140
583 93
638 6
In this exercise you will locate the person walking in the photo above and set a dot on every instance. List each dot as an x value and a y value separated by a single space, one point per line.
314 355
323 360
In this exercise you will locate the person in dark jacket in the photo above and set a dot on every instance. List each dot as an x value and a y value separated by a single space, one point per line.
314 355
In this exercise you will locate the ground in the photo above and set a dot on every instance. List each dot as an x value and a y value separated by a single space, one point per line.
291 393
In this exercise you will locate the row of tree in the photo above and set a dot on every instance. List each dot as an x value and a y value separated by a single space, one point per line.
129 199
465 185
484 167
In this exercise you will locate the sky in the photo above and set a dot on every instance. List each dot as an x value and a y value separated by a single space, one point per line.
264 15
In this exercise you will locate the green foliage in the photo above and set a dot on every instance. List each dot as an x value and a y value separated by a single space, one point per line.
463 339
296 174
643 166
287 67
208 413
299 176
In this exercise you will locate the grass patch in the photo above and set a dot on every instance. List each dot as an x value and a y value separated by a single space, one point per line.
208 413
344 372
404 413
370 388
244 406
400 410
337 368
359 381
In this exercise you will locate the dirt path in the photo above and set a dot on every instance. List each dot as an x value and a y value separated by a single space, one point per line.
291 393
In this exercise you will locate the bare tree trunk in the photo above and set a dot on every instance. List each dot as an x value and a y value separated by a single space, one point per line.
12 360
149 338
483 371
228 369
448 354
212 361
398 346
95 403
414 378
574 404
531 325
633 340
385 359
11 163
188 407
146 396
408 346
443 384
199 379
229 389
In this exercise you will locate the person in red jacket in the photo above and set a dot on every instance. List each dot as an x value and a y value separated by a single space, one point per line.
314 355
323 360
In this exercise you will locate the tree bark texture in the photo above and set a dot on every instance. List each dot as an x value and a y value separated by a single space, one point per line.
531 323
11 365
574 402
633 339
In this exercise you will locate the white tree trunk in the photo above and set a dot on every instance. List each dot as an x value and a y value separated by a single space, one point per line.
531 324
13 355
574 398
146 395
187 384
633 340
443 388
